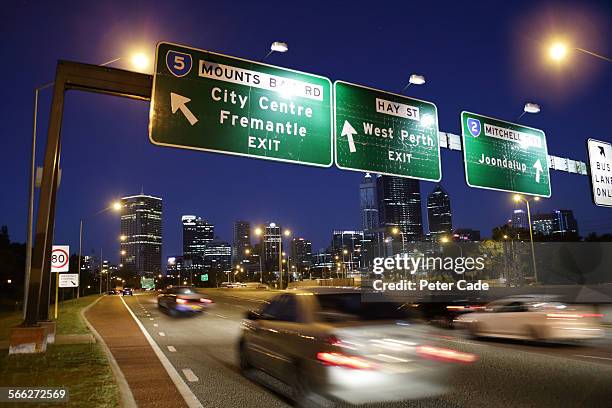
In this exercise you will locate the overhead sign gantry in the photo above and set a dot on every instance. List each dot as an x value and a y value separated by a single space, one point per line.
504 156
207 101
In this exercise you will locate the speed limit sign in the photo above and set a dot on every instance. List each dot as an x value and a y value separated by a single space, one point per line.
60 258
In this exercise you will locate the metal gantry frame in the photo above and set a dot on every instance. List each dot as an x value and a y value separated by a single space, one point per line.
68 76
112 81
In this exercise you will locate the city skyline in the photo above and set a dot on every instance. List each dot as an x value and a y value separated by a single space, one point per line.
119 159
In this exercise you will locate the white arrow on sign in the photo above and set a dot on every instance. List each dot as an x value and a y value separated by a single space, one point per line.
538 167
179 102
349 131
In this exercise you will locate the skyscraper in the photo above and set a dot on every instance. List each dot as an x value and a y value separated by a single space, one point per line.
271 243
242 241
141 224
218 256
399 205
301 254
519 219
196 234
368 204
439 212
347 246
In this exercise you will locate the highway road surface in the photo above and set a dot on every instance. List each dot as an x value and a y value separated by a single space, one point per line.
203 349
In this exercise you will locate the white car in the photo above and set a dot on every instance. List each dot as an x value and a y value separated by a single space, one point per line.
533 318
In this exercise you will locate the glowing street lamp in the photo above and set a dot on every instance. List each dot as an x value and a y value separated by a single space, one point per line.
559 51
414 79
277 46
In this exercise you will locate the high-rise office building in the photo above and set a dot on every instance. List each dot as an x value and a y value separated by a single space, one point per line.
196 234
141 224
399 205
368 203
271 239
242 242
559 223
218 256
439 212
301 254
519 219
347 246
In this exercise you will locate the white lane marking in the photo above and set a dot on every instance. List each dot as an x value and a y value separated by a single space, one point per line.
190 399
221 316
599 358
189 375
150 318
155 324
162 334
172 349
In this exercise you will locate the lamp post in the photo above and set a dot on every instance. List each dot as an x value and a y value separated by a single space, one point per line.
446 240
286 233
116 206
396 231
259 232
518 198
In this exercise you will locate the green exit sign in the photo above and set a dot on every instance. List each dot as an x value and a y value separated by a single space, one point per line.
385 133
217 103
204 277
505 156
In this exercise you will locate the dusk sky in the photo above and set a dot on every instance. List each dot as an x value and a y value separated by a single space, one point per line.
485 57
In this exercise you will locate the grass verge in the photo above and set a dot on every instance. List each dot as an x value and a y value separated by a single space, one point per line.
82 368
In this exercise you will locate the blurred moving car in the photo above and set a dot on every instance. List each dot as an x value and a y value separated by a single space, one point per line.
233 285
111 292
532 318
182 299
127 291
328 345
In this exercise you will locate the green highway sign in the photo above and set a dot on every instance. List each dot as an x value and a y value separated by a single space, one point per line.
204 277
212 102
385 133
504 156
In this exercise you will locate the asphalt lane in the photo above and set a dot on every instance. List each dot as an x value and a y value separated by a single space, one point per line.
203 349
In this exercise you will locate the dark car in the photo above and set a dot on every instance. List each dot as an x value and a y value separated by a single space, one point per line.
182 299
111 292
127 291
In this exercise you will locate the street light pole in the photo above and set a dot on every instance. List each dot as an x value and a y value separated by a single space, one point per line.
31 188
535 271
80 254
518 198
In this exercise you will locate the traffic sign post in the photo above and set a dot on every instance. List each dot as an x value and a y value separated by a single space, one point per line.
60 262
385 133
217 103
504 156
600 160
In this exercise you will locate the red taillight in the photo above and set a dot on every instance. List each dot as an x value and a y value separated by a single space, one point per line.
342 360
181 301
444 354
204 300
